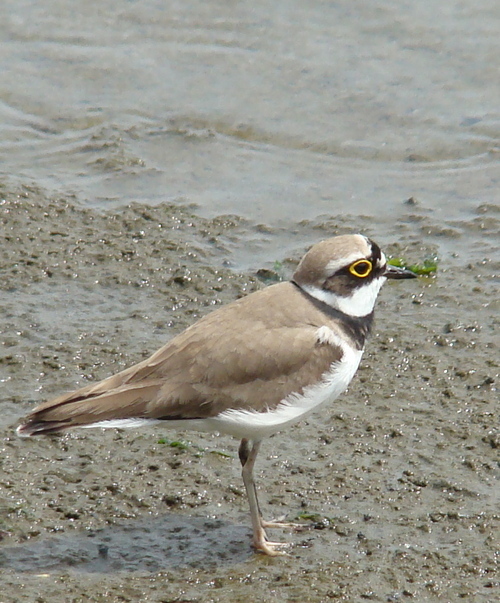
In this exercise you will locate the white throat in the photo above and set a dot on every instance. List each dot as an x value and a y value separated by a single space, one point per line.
360 303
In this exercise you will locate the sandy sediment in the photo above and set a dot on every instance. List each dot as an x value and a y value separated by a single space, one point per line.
396 485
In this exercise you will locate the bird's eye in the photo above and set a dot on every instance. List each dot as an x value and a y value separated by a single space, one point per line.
361 268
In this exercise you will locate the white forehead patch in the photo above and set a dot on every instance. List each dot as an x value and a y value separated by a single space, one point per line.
382 261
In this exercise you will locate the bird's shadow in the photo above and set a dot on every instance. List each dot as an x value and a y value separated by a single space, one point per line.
149 545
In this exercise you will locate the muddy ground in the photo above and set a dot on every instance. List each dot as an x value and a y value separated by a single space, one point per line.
396 484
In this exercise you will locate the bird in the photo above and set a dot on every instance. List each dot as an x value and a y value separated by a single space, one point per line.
250 368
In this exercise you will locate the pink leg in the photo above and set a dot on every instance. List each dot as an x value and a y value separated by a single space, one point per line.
260 542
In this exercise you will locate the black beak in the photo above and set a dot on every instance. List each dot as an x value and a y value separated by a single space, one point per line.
396 272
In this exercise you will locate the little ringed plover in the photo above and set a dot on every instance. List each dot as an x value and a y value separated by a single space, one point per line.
250 368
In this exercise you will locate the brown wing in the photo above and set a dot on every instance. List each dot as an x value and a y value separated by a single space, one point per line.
232 358
255 369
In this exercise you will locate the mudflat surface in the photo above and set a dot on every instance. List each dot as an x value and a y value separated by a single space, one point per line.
396 483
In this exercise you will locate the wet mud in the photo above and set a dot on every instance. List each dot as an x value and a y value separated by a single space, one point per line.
396 484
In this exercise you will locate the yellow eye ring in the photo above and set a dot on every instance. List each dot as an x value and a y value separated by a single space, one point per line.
361 268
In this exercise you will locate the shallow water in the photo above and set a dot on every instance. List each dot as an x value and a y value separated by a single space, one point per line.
155 160
276 113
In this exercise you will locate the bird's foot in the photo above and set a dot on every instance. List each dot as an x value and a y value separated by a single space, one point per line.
261 543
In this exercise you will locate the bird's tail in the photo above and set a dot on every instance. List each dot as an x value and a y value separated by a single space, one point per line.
110 403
